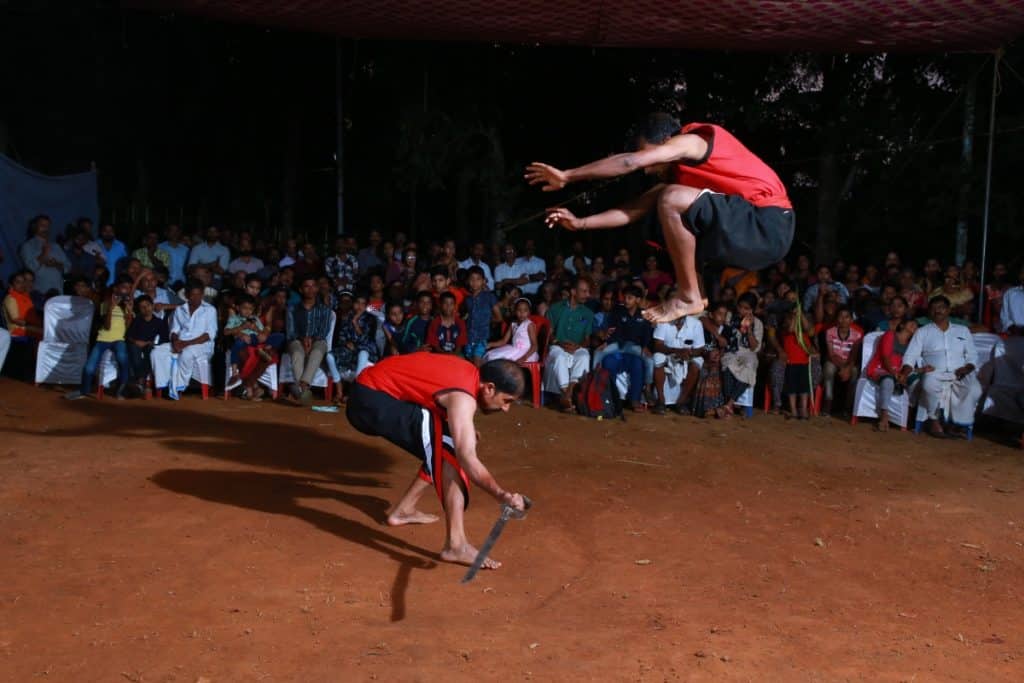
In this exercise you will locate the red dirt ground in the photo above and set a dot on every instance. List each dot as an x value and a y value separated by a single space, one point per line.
226 541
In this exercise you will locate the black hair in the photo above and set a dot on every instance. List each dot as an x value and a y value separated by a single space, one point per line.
507 288
844 309
123 278
396 303
142 297
439 270
901 298
307 277
34 223
424 293
748 298
475 270
658 127
633 290
194 284
242 298
447 295
253 277
939 298
505 375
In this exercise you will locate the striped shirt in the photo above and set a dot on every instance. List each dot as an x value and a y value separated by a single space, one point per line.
315 322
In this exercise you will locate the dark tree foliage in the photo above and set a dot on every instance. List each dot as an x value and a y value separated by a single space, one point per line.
214 122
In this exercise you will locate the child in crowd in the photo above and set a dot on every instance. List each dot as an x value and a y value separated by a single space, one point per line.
797 347
481 308
249 335
885 367
709 399
447 332
392 327
520 341
414 333
146 332
356 346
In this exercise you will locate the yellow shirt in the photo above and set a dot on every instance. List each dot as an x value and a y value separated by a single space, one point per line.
117 325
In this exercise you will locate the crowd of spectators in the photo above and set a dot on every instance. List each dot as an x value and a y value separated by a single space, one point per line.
164 308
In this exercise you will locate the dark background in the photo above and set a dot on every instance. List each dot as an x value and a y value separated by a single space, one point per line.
191 119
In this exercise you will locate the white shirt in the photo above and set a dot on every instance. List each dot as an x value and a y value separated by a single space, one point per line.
162 296
1013 308
532 265
469 263
504 271
189 326
570 267
676 337
945 351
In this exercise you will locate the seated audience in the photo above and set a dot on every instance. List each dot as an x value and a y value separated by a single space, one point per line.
481 306
519 343
117 313
356 344
1011 313
150 253
959 296
248 339
825 283
146 331
679 349
628 332
414 333
447 332
949 360
568 358
193 333
44 258
24 321
842 361
393 325
886 368
743 337
245 262
307 329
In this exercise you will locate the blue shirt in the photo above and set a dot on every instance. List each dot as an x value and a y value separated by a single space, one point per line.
115 253
415 335
179 257
207 253
478 316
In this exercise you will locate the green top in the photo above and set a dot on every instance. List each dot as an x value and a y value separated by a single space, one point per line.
570 324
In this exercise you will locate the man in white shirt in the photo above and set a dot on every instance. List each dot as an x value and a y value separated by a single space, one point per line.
533 267
211 253
476 258
510 271
950 359
1011 317
678 357
193 331
577 251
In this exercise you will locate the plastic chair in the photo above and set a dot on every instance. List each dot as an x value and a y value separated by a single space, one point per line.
321 378
535 369
160 359
269 378
865 396
67 326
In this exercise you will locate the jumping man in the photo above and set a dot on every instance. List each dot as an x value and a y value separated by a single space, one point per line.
424 403
717 196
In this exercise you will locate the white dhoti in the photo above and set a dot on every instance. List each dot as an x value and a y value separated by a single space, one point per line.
958 397
563 368
174 371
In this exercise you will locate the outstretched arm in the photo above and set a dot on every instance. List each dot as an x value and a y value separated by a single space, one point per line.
687 147
461 407
630 212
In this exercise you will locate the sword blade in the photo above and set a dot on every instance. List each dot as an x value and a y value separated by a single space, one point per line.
485 549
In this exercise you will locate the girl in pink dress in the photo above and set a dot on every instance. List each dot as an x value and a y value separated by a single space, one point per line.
520 341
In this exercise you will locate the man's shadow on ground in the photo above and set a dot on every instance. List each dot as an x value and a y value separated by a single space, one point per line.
316 464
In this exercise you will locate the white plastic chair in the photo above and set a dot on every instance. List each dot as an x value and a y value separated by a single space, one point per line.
268 378
160 360
1004 395
322 377
865 397
67 324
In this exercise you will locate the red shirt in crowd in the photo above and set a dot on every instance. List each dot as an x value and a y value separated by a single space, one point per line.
731 168
795 354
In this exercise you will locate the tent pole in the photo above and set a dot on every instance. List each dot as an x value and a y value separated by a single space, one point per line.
339 122
988 177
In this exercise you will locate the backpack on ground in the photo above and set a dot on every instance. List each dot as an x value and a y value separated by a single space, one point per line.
595 395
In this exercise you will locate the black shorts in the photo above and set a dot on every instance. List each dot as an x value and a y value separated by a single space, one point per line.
797 380
733 232
418 431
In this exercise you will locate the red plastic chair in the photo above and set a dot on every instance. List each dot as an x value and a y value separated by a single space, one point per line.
535 369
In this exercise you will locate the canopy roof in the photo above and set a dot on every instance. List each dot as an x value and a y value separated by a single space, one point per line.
775 25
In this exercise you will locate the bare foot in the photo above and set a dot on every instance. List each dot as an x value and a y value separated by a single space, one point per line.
415 517
465 555
673 309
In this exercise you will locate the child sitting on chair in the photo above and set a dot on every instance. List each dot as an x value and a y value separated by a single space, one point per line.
520 341
250 337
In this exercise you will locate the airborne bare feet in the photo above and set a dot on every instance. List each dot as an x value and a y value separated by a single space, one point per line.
465 555
397 518
673 309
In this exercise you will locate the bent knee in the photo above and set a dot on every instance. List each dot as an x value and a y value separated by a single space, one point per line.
677 198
